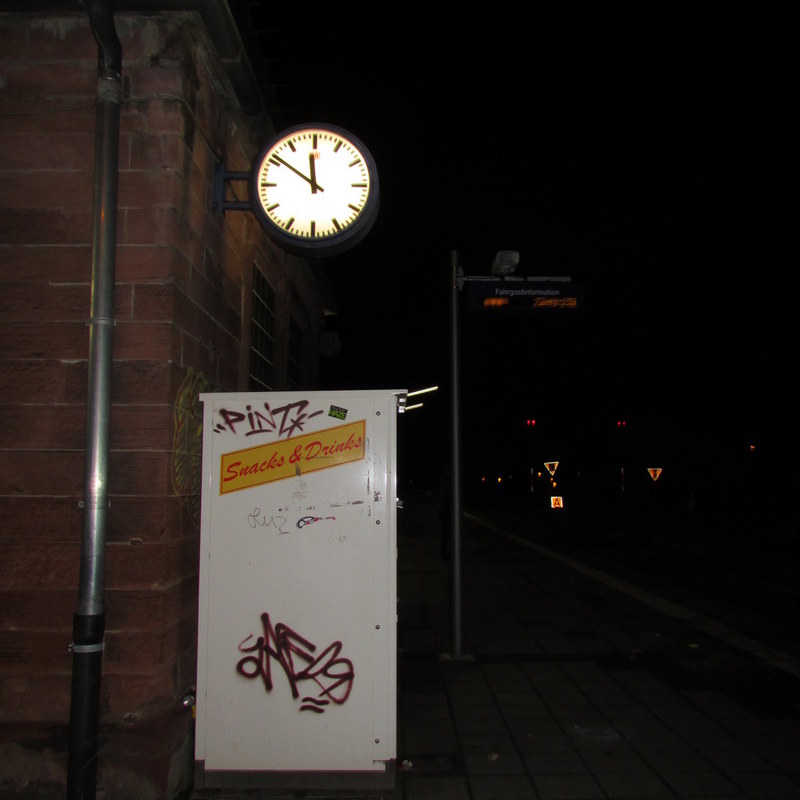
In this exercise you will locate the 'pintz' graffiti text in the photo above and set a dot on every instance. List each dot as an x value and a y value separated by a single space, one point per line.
285 420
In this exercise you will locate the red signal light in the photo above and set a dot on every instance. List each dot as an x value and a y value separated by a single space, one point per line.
531 423
621 423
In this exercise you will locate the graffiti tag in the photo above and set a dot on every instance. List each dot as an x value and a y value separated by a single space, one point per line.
257 519
284 420
333 675
303 521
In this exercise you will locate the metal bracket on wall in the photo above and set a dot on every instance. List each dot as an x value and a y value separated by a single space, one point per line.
221 178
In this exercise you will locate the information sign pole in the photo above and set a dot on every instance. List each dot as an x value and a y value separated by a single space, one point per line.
455 465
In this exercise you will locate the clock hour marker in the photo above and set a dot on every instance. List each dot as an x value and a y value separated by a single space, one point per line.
355 208
314 142
337 146
274 160
291 145
359 185
273 207
313 228
354 162
336 223
289 224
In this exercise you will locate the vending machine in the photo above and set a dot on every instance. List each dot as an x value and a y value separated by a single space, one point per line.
297 637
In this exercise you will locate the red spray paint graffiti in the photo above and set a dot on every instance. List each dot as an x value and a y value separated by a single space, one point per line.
303 521
332 674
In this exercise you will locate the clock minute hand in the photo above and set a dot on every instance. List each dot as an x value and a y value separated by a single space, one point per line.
314 185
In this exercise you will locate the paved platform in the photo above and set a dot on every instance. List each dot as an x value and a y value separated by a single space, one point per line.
570 685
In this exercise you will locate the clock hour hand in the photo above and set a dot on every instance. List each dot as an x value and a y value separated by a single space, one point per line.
312 170
315 187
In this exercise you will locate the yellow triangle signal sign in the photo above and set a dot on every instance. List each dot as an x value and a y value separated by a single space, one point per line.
552 466
654 472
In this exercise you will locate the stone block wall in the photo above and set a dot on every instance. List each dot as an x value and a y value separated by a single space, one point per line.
182 283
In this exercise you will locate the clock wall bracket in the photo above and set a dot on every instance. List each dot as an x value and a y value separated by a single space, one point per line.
222 177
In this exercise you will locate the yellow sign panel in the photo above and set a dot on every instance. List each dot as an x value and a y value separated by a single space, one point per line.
276 461
556 502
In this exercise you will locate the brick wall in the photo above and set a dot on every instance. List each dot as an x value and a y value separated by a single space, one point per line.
182 278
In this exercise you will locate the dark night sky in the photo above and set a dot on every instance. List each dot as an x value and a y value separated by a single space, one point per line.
653 160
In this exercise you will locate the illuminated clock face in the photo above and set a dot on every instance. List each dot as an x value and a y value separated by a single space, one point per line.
315 190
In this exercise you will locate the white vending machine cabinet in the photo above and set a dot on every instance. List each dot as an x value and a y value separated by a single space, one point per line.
297 620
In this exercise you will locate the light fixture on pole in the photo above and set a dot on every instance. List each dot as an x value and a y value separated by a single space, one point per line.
505 262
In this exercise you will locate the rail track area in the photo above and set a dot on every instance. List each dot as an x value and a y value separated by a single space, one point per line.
712 608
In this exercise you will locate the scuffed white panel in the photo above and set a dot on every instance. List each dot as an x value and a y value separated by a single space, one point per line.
297 627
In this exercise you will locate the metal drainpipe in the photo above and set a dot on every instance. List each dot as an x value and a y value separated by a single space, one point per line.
89 620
